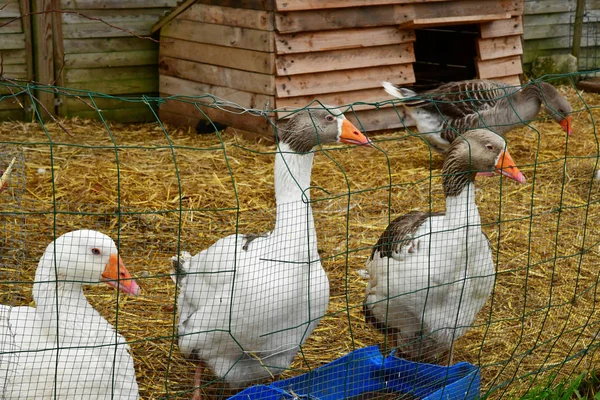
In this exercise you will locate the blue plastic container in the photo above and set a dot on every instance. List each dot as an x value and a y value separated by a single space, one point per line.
366 371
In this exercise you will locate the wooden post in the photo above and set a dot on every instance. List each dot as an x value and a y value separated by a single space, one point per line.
26 22
578 29
43 53
59 55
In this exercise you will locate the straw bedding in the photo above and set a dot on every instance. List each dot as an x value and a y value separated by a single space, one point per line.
544 309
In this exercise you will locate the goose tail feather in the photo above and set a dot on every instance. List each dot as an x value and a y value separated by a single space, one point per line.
180 265
409 97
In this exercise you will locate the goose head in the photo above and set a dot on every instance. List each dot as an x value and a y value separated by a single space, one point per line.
555 104
91 257
310 127
477 152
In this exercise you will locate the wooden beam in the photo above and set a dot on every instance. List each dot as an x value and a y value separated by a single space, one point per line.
376 120
10 25
342 39
264 5
578 28
14 56
338 99
496 68
549 31
111 59
419 23
59 54
74 75
103 45
513 80
98 29
533 45
243 121
114 4
15 74
118 17
247 60
220 35
244 18
26 11
546 19
15 71
342 18
170 16
119 87
14 41
345 59
12 9
43 53
181 87
138 114
547 7
102 103
217 75
500 47
297 5
347 80
504 27
393 14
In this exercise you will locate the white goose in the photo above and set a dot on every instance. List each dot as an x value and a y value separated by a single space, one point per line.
248 303
64 349
459 106
430 274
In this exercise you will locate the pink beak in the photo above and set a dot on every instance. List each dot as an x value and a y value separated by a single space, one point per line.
116 275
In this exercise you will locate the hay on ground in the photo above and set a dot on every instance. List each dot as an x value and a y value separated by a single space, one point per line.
544 310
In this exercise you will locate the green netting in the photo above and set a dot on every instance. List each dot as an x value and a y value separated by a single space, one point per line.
158 190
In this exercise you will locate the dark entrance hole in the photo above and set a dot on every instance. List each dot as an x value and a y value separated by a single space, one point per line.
445 54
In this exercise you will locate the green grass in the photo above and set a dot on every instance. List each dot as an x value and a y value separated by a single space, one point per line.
584 387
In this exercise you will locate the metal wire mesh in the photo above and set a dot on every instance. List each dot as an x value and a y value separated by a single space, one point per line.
158 191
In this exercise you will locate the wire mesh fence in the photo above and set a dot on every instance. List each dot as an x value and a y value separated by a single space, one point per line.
291 297
589 58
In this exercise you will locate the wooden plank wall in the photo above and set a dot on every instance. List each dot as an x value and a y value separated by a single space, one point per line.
15 57
549 30
287 53
223 51
339 53
91 54
500 50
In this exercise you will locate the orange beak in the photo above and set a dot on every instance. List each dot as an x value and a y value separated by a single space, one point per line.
506 166
565 124
116 275
352 135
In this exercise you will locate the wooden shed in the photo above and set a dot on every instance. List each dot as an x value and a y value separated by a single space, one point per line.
16 58
549 28
285 53
95 45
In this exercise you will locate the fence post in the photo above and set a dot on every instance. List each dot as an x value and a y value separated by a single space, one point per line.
577 29
43 53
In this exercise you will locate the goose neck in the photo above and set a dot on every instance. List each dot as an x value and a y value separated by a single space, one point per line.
526 102
292 175
63 309
461 208
292 191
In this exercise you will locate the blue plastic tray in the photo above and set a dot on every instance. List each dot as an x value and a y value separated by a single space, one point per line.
365 370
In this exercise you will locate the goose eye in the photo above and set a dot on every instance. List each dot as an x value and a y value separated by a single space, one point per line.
329 118
95 251
489 147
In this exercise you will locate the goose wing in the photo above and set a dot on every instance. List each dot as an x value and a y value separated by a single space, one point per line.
456 100
398 236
